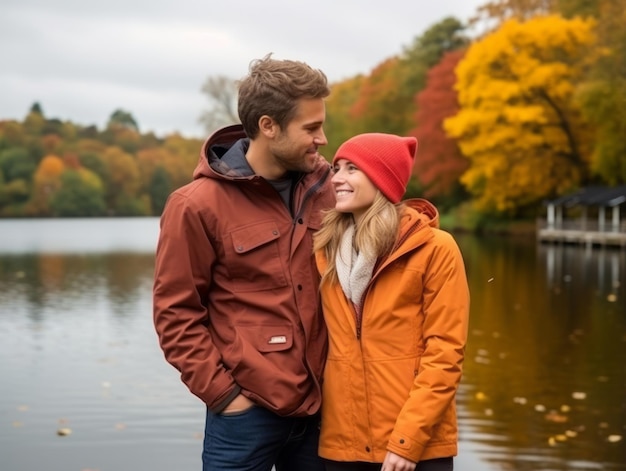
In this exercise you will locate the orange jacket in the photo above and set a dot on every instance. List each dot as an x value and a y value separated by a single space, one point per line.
393 389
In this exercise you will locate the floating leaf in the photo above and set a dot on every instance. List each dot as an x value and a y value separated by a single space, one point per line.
481 396
611 298
520 400
614 438
64 431
571 433
565 408
540 408
579 395
554 416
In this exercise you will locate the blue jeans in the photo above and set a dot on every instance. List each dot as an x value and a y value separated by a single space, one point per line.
257 439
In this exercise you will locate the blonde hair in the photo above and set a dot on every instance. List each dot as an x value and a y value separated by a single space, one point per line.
376 233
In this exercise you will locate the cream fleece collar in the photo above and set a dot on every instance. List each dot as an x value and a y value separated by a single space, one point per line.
354 270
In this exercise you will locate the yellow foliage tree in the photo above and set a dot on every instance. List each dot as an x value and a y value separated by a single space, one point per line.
517 123
123 176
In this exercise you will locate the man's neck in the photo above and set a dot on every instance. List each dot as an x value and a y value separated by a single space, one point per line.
260 160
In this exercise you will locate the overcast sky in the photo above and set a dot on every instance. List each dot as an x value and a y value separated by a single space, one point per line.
82 59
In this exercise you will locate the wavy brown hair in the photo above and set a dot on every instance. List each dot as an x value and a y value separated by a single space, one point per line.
273 87
376 233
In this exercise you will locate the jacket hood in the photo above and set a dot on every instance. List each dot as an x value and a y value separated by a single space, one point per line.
417 223
429 212
214 147
221 141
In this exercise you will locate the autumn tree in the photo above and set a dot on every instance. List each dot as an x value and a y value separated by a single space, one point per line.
35 120
17 163
123 179
603 96
222 94
439 163
122 119
492 14
340 125
12 134
386 99
183 157
381 103
159 188
46 182
81 194
428 49
16 174
517 122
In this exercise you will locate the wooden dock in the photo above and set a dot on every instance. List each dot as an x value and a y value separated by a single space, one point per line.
588 234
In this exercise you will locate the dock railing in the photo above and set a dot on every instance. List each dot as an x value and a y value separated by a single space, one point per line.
581 231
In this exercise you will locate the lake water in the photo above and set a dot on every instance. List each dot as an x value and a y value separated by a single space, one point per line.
544 386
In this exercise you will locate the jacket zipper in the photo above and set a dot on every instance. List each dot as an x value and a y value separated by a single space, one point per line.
358 310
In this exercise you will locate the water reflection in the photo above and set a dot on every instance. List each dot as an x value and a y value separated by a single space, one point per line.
79 352
545 379
40 283
544 385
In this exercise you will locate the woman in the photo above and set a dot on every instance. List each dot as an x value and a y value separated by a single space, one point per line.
396 302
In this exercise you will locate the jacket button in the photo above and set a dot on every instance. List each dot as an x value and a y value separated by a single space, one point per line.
367 448
299 287
239 248
274 232
401 440
300 221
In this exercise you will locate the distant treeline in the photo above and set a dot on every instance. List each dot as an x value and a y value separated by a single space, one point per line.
531 108
50 168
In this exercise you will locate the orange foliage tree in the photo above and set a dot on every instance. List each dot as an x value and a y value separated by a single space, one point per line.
46 182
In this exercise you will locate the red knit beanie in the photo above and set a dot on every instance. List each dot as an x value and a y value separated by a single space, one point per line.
386 159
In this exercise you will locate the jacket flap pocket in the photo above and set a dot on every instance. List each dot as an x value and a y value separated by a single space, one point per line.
250 237
269 338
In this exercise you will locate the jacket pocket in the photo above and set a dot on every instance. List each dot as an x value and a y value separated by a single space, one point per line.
254 262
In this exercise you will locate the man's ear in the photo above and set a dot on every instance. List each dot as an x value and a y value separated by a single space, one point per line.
267 126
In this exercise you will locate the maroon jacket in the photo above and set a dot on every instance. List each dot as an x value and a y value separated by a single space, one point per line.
236 305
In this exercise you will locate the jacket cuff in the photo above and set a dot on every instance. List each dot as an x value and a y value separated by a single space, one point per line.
405 446
227 400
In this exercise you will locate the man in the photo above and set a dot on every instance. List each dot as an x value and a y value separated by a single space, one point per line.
236 290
